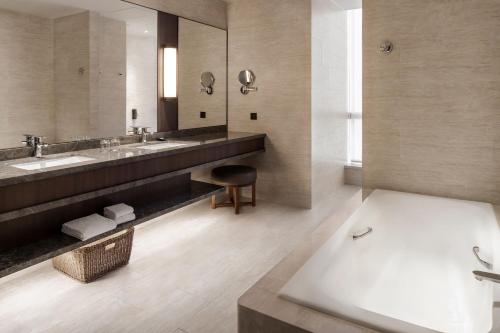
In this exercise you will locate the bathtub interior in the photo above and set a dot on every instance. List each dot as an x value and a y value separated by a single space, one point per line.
413 273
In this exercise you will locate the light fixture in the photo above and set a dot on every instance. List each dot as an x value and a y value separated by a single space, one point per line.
169 72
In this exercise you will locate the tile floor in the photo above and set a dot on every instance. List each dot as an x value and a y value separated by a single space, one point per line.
187 270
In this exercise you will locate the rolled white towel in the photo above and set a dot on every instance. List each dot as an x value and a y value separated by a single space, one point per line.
88 227
119 210
125 218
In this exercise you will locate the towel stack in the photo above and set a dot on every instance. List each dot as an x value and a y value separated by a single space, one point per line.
95 224
120 213
88 227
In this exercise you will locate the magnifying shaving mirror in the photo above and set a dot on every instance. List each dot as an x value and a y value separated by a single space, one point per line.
247 80
207 82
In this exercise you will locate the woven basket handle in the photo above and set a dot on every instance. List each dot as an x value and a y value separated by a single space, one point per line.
109 246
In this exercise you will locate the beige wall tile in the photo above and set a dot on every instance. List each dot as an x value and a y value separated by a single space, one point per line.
26 88
431 107
273 39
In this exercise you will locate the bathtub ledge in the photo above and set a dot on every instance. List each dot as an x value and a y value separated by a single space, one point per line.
261 310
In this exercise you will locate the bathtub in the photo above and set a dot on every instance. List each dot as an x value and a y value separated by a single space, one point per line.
412 273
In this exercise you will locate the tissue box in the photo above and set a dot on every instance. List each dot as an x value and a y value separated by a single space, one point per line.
92 261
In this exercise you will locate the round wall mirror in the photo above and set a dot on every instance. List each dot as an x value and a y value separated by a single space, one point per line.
207 82
207 79
247 78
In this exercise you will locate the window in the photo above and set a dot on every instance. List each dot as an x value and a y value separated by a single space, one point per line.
355 86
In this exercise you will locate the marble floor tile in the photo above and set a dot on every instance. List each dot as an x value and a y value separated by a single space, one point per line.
187 270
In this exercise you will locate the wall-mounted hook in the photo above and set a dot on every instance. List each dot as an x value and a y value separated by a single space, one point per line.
386 47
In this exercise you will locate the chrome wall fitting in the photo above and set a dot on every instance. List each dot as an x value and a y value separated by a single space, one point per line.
247 80
486 276
386 47
207 81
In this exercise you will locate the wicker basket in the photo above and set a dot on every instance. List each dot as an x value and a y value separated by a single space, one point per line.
92 261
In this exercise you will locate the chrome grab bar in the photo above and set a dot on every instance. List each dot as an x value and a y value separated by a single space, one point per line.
362 234
486 264
480 276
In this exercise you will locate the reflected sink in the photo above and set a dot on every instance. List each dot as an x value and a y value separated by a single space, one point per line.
165 145
49 163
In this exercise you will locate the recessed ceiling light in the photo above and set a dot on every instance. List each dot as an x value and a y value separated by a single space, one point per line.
146 31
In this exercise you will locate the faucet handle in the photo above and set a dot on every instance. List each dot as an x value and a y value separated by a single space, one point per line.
29 140
39 140
137 130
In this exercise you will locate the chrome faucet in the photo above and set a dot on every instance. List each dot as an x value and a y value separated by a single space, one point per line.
487 276
139 130
145 135
35 142
39 145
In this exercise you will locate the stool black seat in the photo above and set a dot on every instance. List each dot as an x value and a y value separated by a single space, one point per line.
234 177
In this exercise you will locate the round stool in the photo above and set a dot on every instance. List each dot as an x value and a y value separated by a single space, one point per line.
234 177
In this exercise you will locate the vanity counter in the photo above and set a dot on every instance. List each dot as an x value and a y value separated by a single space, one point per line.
10 175
34 204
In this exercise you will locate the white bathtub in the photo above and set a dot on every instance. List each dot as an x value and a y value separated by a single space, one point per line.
412 273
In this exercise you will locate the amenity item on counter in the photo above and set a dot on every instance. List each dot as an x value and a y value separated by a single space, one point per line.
116 211
88 226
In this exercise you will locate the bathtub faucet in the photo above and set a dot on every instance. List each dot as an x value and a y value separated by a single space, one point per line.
480 276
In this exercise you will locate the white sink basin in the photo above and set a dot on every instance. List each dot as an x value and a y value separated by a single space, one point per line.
49 163
165 145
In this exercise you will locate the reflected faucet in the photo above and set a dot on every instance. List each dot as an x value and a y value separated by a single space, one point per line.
36 142
139 130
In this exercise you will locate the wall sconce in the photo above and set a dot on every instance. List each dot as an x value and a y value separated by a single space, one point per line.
247 80
169 72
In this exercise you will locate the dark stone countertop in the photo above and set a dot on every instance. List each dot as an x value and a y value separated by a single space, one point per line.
10 175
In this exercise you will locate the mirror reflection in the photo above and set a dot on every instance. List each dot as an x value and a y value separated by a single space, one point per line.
201 49
80 69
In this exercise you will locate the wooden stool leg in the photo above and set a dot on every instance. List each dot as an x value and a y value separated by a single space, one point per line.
214 202
254 201
236 199
230 193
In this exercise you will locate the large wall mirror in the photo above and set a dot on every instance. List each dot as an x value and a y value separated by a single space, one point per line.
80 69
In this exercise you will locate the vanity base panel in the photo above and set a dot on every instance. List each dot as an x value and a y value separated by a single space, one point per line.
53 244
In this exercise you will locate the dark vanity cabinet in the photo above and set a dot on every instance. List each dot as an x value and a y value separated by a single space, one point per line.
34 206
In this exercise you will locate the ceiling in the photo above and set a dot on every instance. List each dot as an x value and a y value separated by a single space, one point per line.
140 20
